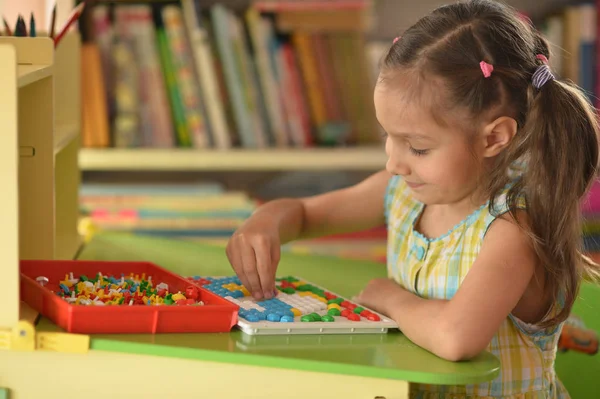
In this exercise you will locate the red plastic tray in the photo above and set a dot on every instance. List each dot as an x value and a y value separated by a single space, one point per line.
217 314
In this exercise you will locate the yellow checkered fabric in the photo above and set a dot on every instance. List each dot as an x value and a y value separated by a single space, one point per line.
435 268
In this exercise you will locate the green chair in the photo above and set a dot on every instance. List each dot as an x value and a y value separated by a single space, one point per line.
580 372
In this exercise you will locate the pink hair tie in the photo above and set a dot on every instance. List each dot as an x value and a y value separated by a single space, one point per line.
396 39
542 57
486 68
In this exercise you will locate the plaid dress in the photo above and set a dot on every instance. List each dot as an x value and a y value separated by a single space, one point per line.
435 268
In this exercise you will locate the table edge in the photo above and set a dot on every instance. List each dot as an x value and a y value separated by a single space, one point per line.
249 359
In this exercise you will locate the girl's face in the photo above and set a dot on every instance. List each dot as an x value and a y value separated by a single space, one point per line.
438 163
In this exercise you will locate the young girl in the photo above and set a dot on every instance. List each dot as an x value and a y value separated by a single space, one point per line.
488 158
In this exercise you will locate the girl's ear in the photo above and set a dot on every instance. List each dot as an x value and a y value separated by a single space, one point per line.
497 135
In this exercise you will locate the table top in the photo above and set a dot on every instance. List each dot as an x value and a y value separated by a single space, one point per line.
389 355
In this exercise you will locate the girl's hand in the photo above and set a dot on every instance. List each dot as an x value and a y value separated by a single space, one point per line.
254 251
380 294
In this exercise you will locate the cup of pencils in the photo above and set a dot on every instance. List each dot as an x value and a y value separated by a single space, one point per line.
21 30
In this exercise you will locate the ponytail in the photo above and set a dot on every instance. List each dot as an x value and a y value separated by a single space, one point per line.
559 142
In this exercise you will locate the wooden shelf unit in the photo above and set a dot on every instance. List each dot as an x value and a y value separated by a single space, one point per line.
152 159
39 145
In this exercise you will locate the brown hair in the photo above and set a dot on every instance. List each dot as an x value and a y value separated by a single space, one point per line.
557 132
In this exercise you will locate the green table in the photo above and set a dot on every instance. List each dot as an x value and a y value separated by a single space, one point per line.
383 356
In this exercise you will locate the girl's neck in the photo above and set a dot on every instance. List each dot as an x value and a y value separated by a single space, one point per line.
438 219
463 207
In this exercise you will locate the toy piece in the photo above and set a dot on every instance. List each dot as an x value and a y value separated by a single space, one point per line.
42 280
129 291
575 336
299 308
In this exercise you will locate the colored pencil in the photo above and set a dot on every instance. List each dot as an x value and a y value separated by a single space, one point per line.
23 27
19 27
53 22
75 14
6 27
32 32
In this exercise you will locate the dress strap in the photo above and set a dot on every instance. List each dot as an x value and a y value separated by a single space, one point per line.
500 208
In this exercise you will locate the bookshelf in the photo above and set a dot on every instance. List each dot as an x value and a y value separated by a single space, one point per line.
41 127
237 124
387 13
352 158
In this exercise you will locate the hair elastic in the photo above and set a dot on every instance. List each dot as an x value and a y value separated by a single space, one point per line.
542 57
542 74
486 68
396 39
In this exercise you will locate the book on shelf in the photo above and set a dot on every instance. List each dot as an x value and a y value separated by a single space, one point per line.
572 33
311 5
168 209
207 76
590 209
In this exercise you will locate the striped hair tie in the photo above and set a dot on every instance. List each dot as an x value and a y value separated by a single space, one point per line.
542 74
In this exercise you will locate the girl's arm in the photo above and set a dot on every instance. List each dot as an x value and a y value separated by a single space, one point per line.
254 249
462 327
355 208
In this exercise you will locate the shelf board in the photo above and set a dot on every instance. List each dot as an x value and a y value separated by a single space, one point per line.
27 74
351 158
63 135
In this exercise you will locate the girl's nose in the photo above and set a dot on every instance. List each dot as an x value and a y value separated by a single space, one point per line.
395 163
397 167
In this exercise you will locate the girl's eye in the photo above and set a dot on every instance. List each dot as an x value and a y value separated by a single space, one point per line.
418 152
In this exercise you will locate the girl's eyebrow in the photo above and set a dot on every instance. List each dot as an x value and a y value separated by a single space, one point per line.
411 136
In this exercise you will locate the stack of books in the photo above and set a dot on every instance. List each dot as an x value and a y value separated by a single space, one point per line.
204 212
199 211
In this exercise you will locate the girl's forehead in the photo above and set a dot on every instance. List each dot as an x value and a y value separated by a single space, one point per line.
420 114
393 106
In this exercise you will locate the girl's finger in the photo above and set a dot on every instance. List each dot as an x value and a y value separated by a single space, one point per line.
265 272
235 258
249 267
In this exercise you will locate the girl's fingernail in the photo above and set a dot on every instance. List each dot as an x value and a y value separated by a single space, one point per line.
257 295
268 295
